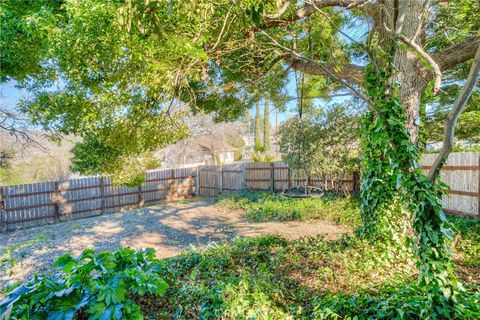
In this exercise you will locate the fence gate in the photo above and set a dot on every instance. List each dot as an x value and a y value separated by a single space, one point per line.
209 181
214 180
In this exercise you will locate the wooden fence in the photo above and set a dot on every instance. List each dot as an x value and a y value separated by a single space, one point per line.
267 176
28 205
462 173
23 206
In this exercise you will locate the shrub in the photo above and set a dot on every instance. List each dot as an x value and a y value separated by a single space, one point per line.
90 286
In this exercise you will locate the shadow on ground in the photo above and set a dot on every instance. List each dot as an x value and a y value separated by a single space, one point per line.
169 228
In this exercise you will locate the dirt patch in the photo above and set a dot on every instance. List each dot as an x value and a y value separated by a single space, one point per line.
167 227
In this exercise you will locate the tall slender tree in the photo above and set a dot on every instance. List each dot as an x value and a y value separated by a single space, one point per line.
258 145
267 147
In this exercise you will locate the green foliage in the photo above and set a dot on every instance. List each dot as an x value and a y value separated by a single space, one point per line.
260 156
467 240
266 128
461 148
468 125
321 143
92 156
270 278
258 145
392 181
93 286
263 206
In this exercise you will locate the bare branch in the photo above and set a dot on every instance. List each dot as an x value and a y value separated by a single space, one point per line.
452 118
327 72
436 69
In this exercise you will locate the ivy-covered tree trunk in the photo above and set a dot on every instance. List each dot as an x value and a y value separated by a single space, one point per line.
394 185
396 196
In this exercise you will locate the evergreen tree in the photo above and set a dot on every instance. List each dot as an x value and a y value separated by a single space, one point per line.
266 128
258 128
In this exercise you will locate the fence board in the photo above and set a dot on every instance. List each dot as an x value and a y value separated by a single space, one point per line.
462 174
209 180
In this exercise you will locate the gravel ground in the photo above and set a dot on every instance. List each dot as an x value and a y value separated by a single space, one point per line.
168 227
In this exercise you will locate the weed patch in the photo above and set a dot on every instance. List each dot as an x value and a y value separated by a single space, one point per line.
263 206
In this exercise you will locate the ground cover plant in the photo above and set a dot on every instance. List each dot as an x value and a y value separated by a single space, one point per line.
91 286
265 206
271 278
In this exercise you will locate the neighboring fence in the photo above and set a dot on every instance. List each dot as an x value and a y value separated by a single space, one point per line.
462 173
28 205
23 206
213 180
267 176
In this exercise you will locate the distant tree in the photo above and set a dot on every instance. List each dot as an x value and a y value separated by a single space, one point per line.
468 126
266 128
258 146
321 143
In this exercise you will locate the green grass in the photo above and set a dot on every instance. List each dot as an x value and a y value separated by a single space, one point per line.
263 206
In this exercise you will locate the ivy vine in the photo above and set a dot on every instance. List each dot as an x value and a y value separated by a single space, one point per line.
395 191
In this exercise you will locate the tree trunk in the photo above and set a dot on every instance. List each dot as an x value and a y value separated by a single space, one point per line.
410 71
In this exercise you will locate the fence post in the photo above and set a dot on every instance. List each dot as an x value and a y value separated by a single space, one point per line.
140 196
244 169
3 212
56 198
355 187
478 190
220 187
197 179
272 177
289 178
102 195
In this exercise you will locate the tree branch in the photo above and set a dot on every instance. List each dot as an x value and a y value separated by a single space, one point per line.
309 9
457 53
426 56
452 118
328 73
350 72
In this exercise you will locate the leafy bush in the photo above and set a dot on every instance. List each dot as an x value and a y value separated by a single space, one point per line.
467 242
264 206
270 278
90 286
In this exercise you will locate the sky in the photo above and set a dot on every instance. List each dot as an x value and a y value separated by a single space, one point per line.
10 96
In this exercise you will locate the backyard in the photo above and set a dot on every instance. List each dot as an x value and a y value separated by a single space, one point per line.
247 159
253 255
169 227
